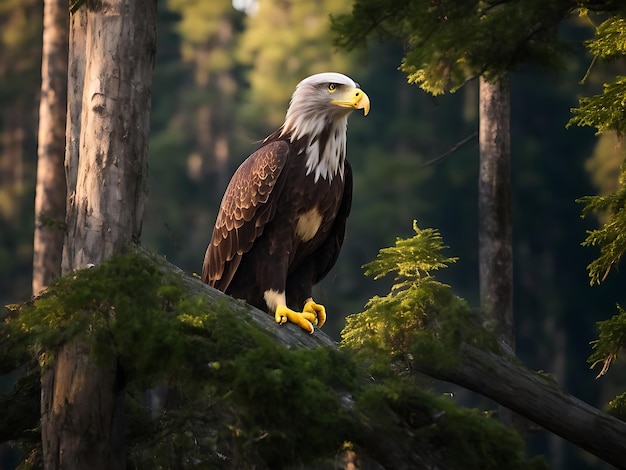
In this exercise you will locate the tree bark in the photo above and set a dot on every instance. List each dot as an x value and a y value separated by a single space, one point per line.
111 56
109 121
495 253
50 193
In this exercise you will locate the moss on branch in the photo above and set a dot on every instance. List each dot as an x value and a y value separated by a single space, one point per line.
233 394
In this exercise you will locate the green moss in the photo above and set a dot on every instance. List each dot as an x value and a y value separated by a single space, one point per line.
120 308
291 401
237 392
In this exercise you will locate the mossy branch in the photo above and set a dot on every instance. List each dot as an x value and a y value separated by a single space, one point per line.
244 390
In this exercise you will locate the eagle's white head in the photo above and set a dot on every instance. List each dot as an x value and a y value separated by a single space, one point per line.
318 114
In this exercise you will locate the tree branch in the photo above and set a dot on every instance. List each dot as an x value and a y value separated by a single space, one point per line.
452 149
537 398
288 334
499 378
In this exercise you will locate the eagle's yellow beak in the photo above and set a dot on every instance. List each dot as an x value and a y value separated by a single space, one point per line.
354 98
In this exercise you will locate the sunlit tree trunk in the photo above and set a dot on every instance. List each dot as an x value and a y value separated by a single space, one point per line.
111 55
495 251
50 193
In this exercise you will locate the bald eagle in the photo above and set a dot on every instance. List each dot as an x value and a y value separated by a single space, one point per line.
282 219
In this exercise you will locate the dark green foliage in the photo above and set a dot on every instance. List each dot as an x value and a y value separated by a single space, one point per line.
258 404
236 393
293 409
617 406
606 111
612 339
464 438
118 307
503 36
610 238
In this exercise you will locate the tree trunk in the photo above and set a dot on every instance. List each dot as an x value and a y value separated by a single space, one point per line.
111 55
109 128
50 193
495 253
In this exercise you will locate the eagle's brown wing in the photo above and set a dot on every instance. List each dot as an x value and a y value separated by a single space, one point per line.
248 204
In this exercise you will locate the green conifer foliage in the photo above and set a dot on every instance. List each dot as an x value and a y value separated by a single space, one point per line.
420 315
450 42
605 112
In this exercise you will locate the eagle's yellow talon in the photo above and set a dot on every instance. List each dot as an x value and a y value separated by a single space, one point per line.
318 311
280 318
284 313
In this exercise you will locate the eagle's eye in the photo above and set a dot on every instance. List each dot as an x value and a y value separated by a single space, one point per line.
331 87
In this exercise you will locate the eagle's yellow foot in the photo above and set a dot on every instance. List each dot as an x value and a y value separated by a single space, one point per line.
302 319
316 309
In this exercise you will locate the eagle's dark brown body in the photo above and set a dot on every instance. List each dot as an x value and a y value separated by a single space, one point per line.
282 220
285 243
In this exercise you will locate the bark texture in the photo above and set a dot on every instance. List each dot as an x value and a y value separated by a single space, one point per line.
495 253
111 59
111 55
50 193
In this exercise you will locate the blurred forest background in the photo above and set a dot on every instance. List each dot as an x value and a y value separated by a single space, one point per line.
223 77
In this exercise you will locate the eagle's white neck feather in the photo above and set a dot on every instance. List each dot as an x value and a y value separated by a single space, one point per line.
322 129
324 162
